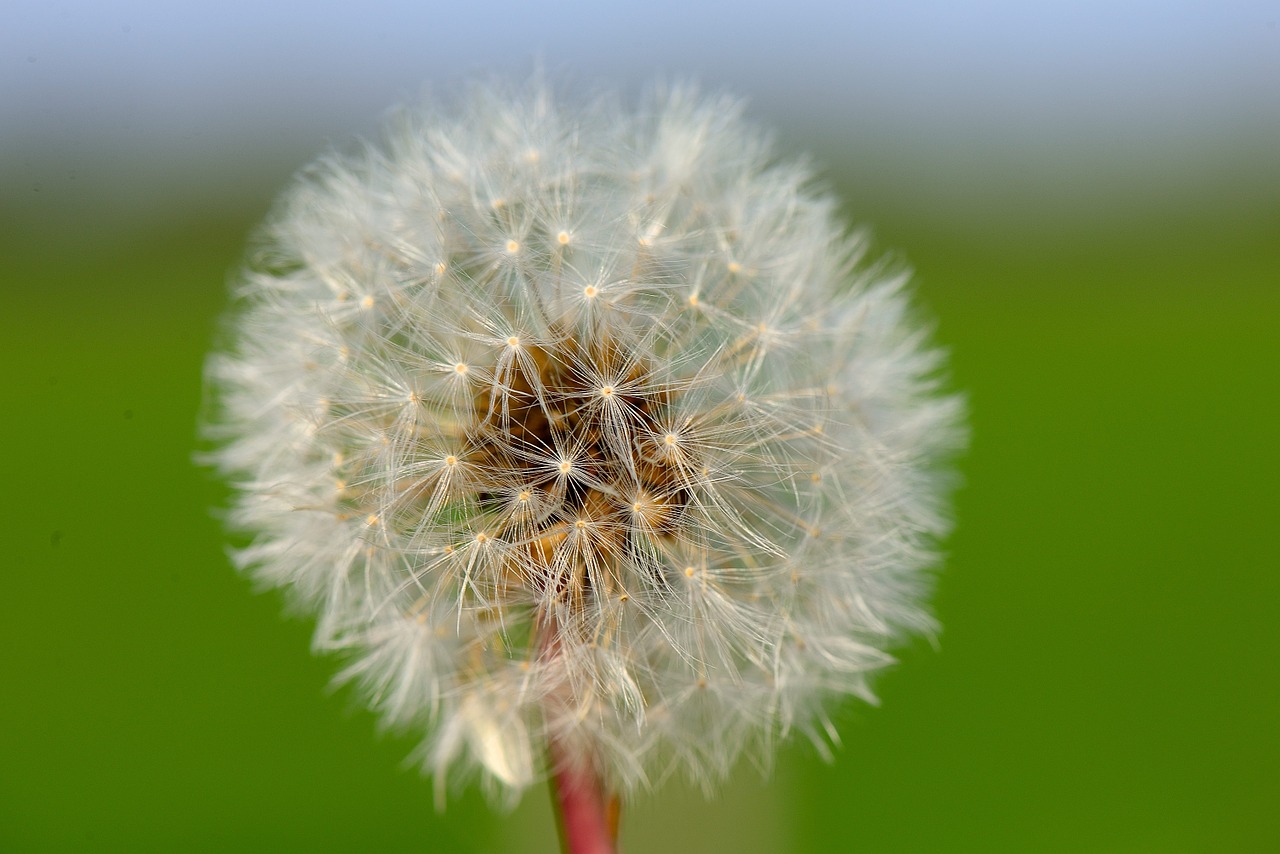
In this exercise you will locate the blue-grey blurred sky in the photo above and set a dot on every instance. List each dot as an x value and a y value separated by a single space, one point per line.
139 100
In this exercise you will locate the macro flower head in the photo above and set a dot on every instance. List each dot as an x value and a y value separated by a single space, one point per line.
584 432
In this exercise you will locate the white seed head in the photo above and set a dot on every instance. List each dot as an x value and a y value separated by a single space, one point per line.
632 454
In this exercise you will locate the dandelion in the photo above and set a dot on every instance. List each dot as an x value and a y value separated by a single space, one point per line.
588 437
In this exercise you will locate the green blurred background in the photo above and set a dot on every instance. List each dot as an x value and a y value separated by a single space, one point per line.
1107 676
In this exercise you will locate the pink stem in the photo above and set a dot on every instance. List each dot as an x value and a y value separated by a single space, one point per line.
588 817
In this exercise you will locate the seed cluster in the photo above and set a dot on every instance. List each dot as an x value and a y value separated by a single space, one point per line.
584 428
600 415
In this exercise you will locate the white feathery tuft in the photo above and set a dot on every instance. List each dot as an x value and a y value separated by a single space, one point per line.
587 426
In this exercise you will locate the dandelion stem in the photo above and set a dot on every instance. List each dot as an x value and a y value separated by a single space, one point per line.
586 815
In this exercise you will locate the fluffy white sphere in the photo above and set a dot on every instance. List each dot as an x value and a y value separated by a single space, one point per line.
584 427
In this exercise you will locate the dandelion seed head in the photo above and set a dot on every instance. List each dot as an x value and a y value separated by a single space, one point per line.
526 513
